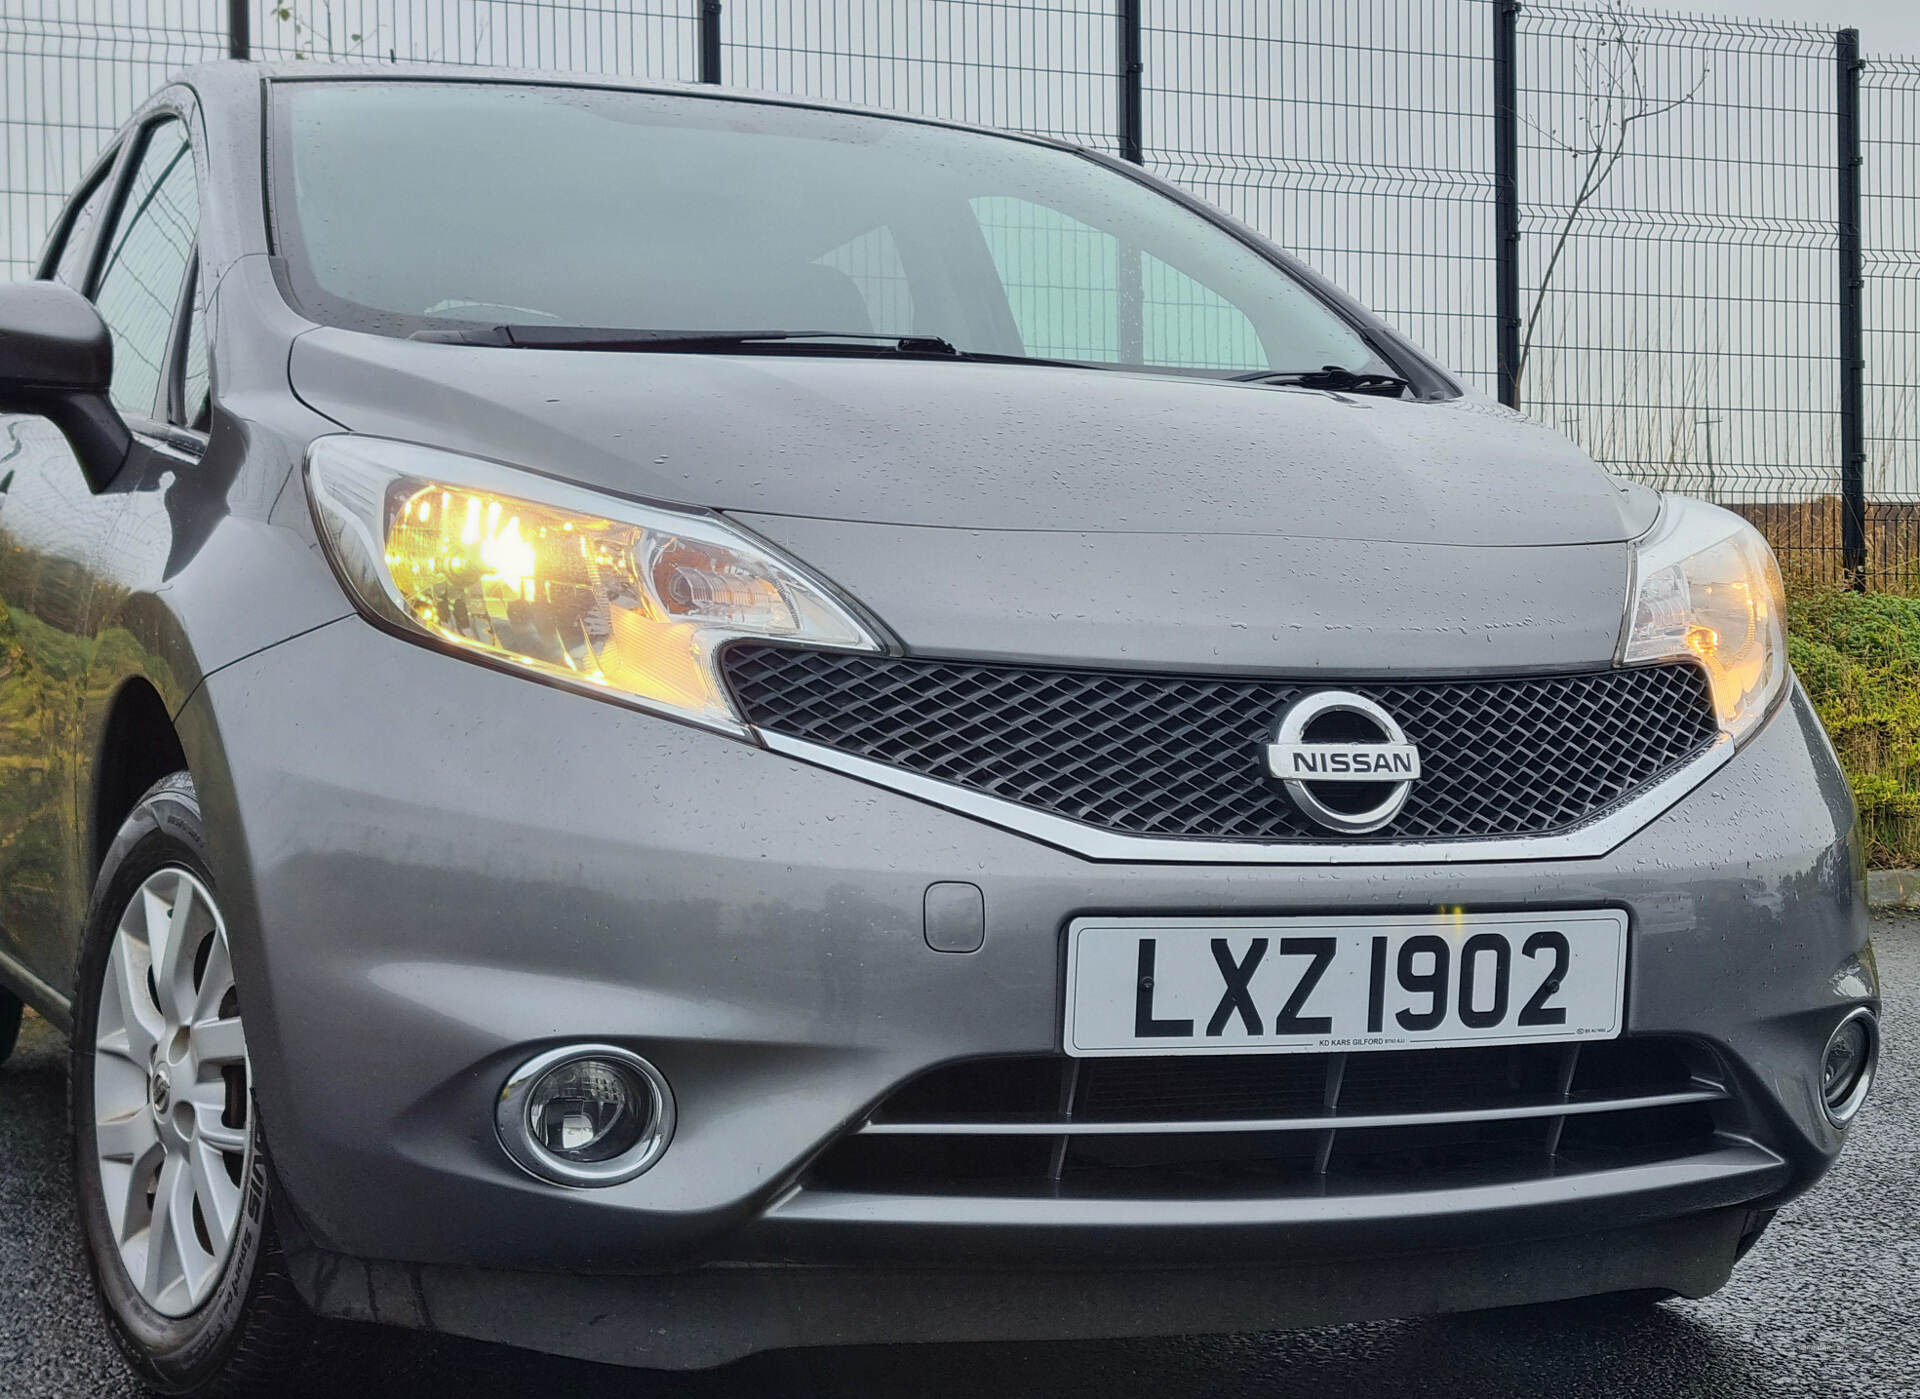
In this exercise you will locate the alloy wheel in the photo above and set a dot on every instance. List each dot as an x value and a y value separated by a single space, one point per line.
172 1099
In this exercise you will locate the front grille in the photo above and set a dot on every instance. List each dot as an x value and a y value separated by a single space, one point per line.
1184 756
1282 1124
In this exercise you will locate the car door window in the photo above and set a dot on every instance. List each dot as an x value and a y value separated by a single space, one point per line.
193 359
1077 292
71 265
1061 276
1189 325
147 257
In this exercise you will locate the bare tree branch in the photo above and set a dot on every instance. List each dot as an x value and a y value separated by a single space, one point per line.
1609 72
303 30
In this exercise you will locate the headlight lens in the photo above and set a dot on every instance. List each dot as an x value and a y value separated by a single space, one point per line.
622 600
1706 587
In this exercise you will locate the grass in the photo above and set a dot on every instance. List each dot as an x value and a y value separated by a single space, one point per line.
1858 654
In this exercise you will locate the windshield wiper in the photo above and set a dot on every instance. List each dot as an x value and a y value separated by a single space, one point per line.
712 342
1333 379
580 337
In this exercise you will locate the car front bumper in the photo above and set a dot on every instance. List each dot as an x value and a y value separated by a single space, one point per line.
433 870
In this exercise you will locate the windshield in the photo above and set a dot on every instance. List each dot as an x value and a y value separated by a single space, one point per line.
423 206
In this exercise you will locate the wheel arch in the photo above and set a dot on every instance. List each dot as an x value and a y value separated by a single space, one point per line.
138 746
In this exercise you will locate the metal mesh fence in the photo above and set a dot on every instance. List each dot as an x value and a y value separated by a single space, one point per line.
1045 66
1679 250
1679 264
1356 136
632 38
1890 138
70 72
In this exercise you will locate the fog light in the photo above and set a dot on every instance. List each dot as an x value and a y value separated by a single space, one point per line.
1846 1069
586 1111
587 1114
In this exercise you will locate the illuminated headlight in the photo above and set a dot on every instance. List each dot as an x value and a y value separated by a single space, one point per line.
1706 587
621 600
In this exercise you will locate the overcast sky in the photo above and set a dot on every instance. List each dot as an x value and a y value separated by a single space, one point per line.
1886 26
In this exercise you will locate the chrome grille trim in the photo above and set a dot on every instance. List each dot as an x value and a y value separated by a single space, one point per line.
1277 1125
1733 1171
1706 1093
1595 838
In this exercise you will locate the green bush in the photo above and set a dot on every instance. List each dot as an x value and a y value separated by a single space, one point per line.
1858 654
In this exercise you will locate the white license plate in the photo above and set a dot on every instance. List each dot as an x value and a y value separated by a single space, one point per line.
1266 985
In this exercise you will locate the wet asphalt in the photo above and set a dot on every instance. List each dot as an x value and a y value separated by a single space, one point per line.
1828 1304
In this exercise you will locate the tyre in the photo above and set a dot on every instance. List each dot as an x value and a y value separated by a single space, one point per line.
174 1186
10 1012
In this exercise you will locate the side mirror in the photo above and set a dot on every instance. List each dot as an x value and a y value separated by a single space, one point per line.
56 360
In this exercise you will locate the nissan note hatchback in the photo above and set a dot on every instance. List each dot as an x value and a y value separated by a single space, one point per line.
655 723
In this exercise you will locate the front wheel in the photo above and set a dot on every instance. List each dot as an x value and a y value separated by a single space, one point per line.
172 1175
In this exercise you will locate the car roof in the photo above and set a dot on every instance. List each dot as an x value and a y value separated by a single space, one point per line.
229 78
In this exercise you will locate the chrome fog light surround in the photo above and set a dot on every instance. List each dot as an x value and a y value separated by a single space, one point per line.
1848 1063
638 1143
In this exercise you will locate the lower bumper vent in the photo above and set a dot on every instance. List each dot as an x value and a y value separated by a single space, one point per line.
1282 1124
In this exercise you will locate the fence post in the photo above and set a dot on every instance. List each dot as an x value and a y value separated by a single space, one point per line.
239 26
1853 354
709 41
1506 197
1132 129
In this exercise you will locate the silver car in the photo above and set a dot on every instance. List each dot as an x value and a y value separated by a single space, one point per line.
655 723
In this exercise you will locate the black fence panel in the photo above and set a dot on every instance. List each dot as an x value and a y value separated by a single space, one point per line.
1046 66
656 39
1359 137
1679 265
1890 176
1675 249
70 72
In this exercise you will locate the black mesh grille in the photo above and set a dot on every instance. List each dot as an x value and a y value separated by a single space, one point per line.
1182 755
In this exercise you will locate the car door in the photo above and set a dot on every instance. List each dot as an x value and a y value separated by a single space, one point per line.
51 530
